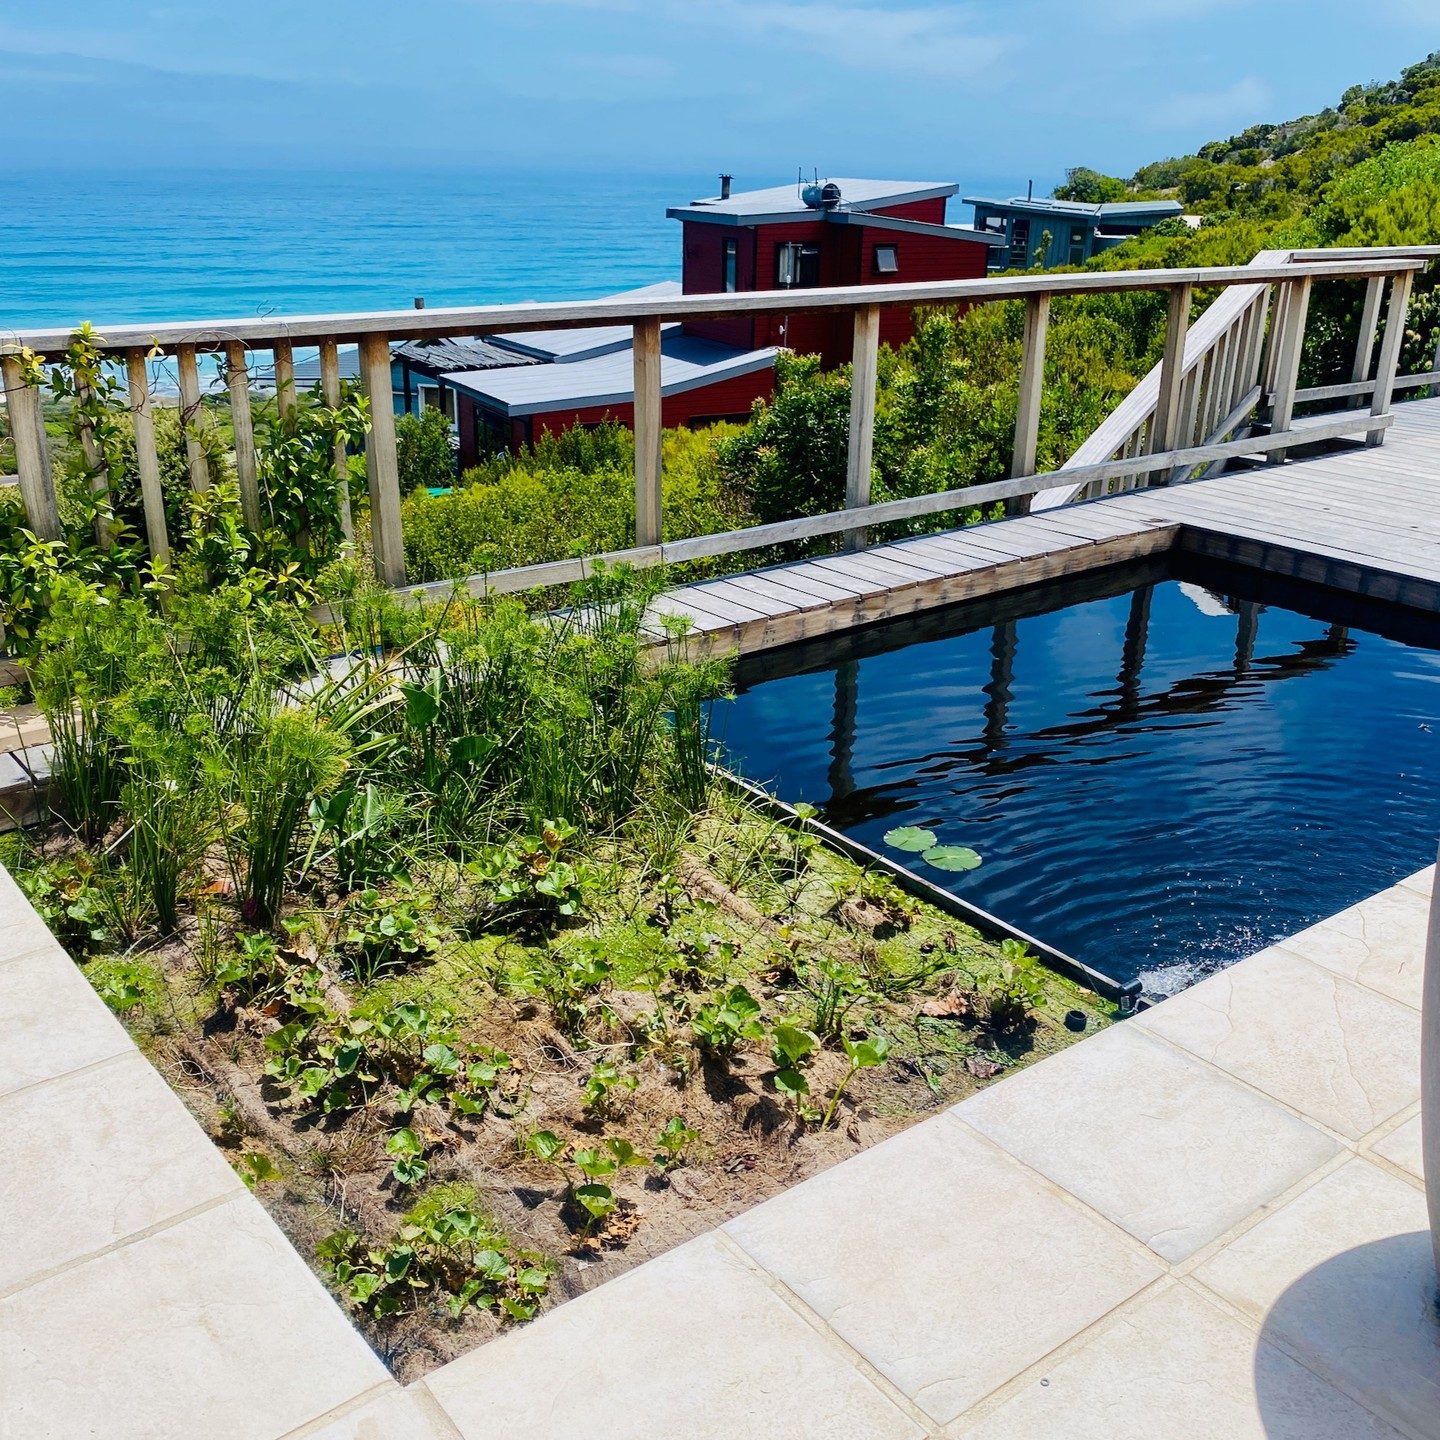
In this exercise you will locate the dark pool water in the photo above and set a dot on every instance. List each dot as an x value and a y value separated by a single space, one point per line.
1164 770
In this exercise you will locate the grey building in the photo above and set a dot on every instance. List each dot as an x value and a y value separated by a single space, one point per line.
1076 231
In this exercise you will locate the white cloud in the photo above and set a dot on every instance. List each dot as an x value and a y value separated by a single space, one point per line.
1237 104
929 40
940 41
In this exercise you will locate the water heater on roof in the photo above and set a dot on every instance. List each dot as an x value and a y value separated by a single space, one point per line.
821 197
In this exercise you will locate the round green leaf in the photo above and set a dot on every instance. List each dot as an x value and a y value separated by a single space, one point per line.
910 837
951 857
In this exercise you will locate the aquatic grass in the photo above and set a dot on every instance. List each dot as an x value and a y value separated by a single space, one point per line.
271 774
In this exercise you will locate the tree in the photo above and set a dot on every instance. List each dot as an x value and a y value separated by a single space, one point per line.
790 459
1090 187
423 451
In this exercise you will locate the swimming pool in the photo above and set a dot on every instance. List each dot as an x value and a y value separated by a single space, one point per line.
1164 768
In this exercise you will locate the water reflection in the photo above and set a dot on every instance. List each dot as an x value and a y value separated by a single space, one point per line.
1163 768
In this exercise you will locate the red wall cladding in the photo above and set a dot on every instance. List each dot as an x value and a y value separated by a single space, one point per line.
847 257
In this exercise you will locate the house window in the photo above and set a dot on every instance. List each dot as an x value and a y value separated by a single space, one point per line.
797 266
1077 244
887 260
728 275
438 397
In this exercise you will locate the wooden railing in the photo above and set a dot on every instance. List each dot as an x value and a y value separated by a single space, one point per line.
1229 378
1193 412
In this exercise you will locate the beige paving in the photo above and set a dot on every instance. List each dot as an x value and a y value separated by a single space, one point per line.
213 1326
1344 1276
960 1212
23 930
1163 1145
1373 943
693 1344
394 1414
1422 881
1358 1067
1402 1147
51 1021
121 1156
1176 1365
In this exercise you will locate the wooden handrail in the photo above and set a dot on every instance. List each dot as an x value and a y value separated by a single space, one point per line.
1224 353
1181 416
216 335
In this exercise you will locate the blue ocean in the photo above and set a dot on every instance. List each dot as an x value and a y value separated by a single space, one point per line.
223 244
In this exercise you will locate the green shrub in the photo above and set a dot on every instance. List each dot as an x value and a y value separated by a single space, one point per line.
423 451
573 495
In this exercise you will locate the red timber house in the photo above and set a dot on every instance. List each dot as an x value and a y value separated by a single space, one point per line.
789 237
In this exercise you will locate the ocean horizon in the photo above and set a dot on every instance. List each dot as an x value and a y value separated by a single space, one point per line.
134 246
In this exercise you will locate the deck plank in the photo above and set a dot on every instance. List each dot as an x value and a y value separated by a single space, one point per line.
1361 520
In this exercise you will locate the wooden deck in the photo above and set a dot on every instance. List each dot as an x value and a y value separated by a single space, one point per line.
1364 521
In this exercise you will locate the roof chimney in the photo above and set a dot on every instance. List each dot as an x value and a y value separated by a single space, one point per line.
1029 189
725 186
419 302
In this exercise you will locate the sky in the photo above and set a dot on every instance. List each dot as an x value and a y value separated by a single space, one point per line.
899 88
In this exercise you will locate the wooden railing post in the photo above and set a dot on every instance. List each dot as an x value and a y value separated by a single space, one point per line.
147 460
237 375
859 459
330 385
37 484
1032 389
284 376
1365 341
1164 431
190 418
1286 346
387 540
648 432
1389 361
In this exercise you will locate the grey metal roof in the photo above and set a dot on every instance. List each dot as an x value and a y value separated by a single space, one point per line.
568 347
446 354
686 363
915 227
1110 210
783 202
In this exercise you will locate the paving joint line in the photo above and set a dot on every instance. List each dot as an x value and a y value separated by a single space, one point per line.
157 1228
822 1327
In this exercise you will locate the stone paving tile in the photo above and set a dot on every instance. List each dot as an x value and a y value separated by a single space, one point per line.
95 1157
211 1327
1402 1147
947 1265
1176 1365
693 1345
1155 1141
395 1414
1345 1276
51 1021
1359 1063
22 931
1422 880
1380 943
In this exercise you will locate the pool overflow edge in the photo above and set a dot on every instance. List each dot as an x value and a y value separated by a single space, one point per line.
1127 994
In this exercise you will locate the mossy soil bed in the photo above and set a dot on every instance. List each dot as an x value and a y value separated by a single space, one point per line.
462 1113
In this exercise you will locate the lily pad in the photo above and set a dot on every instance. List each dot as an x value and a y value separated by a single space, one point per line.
951 857
910 837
